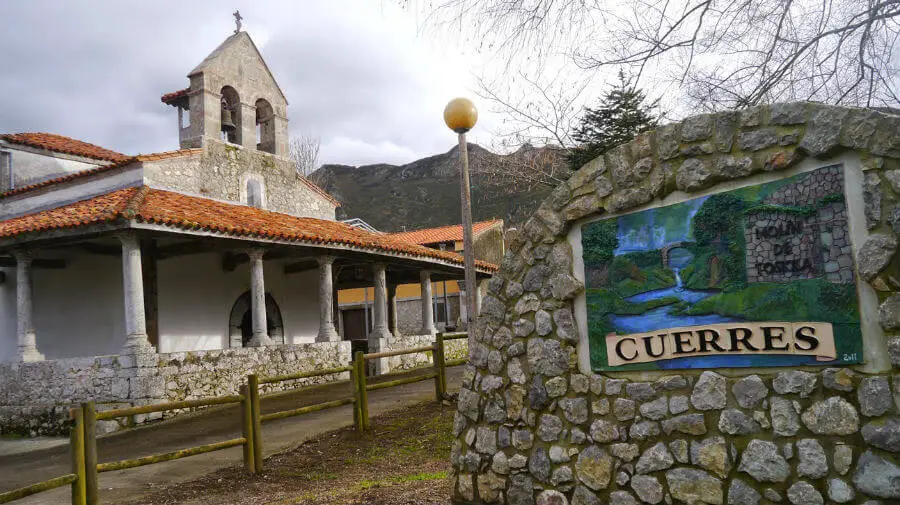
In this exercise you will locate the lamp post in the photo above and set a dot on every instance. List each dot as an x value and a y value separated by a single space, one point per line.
460 116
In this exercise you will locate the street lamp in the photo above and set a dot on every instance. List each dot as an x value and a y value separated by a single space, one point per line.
460 116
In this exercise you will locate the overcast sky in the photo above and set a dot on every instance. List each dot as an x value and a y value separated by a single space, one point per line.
357 73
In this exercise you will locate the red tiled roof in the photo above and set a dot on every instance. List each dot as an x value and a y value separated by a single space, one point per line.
442 234
168 98
104 168
176 210
61 144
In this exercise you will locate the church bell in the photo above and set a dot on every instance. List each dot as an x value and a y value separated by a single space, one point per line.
227 121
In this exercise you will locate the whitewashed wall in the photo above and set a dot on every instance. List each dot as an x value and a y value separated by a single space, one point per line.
78 310
196 297
29 168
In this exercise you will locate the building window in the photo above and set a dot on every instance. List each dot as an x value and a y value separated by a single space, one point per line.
6 175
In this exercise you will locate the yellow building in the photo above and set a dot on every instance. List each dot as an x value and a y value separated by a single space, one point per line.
355 304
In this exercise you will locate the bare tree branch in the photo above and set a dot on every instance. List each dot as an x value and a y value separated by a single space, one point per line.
718 53
304 152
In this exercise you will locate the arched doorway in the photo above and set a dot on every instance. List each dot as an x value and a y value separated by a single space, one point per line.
240 322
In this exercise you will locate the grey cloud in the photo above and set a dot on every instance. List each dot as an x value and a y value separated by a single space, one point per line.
95 71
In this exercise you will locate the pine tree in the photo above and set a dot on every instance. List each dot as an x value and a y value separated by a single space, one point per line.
621 115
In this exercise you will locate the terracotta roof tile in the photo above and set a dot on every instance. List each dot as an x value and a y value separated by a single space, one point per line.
176 210
99 209
442 234
170 98
61 144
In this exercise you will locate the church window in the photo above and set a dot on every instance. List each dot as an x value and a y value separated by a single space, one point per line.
265 126
255 193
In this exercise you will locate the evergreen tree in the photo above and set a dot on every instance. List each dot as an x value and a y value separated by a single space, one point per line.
622 114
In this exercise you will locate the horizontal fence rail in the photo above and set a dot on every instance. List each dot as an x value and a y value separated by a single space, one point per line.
162 407
169 456
45 485
304 375
92 468
84 478
76 478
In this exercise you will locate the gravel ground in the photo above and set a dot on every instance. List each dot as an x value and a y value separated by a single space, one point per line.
403 460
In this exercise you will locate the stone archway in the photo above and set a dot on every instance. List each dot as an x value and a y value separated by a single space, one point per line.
665 251
239 317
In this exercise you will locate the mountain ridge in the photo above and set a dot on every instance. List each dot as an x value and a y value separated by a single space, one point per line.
425 193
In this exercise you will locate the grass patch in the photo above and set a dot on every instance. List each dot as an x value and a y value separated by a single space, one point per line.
399 479
802 300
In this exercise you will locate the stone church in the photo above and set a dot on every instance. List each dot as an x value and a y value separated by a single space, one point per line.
169 276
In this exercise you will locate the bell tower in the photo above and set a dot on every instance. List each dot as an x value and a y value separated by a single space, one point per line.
233 97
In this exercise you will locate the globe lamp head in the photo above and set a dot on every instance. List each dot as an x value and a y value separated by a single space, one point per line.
460 115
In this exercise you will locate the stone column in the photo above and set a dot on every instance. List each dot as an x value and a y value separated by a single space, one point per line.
393 317
477 301
427 303
136 341
27 342
327 332
258 300
463 305
380 327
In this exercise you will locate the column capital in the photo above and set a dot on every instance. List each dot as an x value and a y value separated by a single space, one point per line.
23 255
127 237
325 259
379 266
256 253
425 274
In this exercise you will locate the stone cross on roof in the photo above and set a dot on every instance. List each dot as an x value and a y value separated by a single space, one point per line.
237 20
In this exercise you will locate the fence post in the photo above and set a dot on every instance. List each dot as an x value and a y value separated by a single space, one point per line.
361 389
77 443
440 383
92 489
247 430
354 390
256 428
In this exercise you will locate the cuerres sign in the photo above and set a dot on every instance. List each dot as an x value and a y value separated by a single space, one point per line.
758 276
806 338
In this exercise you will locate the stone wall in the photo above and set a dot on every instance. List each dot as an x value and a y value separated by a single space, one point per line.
409 313
535 426
221 172
820 245
35 397
800 233
453 349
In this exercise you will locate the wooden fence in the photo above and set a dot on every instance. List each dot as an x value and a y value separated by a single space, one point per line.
84 478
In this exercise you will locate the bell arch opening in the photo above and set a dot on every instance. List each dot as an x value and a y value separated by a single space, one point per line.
265 126
230 115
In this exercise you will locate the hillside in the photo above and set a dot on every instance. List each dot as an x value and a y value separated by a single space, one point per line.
425 193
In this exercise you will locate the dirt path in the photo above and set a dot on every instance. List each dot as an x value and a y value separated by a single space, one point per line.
403 460
115 487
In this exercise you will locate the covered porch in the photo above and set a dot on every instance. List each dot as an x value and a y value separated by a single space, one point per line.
172 297
148 285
